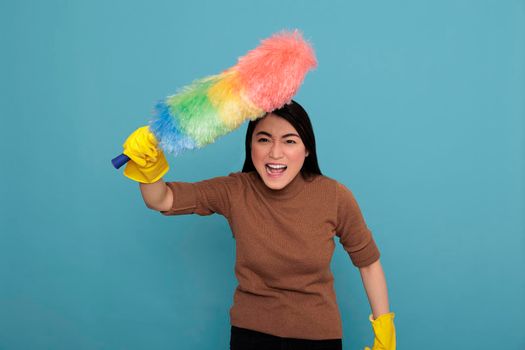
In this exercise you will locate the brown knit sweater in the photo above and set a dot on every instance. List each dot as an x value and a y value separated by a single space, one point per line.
284 244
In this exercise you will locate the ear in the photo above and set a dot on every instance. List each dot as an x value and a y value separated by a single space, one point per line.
307 153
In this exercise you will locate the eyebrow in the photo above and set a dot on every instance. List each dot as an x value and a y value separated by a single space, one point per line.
270 135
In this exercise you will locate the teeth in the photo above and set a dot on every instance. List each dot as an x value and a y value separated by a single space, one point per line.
276 166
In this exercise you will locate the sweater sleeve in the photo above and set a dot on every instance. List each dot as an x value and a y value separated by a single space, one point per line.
352 230
204 197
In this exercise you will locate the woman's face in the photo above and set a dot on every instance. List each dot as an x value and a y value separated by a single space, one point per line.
275 142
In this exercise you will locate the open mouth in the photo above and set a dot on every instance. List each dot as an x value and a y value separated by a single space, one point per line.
275 169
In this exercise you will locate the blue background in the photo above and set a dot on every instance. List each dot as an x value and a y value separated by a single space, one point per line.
418 107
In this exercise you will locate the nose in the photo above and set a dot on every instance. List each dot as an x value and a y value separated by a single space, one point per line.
275 151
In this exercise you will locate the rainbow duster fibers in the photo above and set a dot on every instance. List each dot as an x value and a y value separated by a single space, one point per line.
265 79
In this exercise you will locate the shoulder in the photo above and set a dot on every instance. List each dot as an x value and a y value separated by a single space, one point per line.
232 177
337 184
342 192
232 182
241 177
323 187
323 181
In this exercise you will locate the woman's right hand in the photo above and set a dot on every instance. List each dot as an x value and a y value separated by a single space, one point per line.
384 332
148 163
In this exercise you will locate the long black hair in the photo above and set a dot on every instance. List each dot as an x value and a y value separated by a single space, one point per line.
295 114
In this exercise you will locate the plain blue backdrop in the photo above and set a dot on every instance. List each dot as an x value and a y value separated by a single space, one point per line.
418 107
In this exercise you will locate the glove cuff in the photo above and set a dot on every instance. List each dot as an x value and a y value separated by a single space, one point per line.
147 175
382 317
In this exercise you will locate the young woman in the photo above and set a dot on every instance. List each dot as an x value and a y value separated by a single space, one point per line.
284 215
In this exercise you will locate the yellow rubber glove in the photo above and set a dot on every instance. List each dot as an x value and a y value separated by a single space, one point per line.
385 332
148 163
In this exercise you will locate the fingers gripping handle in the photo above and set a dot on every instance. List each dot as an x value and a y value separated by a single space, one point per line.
120 160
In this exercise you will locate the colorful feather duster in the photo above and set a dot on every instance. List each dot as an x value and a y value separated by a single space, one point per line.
265 79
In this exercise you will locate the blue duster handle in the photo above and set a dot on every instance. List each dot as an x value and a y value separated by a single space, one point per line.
120 160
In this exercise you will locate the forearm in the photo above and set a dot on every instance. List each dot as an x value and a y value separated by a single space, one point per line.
155 194
374 283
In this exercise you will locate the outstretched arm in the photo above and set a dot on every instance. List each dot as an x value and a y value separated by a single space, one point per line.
375 286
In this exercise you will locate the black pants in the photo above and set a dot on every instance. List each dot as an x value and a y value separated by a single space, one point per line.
247 339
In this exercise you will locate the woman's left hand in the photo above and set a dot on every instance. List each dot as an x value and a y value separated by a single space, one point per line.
384 331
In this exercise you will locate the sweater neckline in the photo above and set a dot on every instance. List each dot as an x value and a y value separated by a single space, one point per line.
289 191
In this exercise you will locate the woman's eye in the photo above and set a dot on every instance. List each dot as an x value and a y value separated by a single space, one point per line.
265 140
